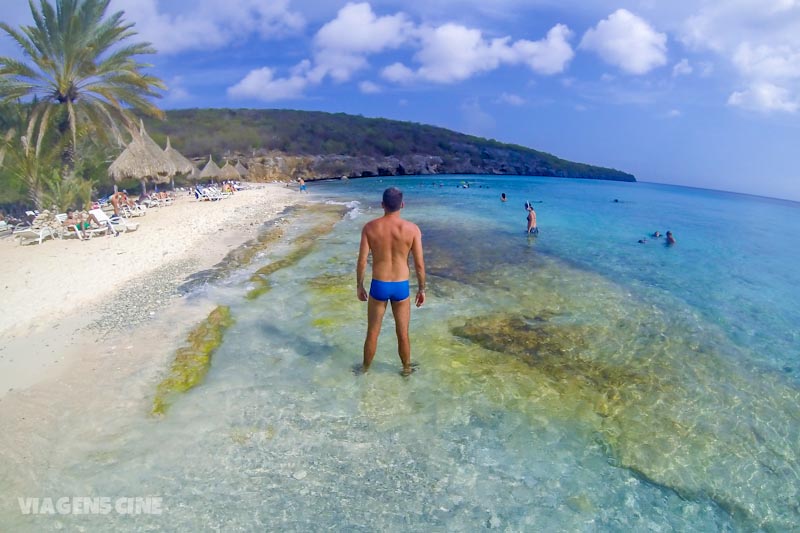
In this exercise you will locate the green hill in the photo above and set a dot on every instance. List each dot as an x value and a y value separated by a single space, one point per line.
336 144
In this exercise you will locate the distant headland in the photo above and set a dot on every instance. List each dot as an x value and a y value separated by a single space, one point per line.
281 144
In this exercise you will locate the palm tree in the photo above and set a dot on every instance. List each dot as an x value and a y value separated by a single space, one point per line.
79 72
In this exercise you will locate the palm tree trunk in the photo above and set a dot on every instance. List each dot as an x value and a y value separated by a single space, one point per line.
144 187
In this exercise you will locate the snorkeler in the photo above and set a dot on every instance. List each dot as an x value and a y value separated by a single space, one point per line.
532 229
390 240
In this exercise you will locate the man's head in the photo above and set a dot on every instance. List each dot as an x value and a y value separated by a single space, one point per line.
392 199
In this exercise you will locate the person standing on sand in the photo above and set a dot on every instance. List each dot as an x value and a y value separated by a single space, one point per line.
303 185
531 219
390 240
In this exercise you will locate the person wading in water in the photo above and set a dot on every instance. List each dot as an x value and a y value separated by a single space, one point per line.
390 240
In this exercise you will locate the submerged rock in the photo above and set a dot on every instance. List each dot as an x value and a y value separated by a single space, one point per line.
657 405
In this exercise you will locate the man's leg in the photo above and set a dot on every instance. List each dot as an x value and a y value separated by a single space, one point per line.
375 311
402 315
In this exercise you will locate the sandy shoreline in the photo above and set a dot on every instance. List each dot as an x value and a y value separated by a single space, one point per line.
65 297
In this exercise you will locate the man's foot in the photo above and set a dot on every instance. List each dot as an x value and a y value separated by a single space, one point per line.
408 370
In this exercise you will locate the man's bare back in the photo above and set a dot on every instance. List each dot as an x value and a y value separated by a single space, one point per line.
390 240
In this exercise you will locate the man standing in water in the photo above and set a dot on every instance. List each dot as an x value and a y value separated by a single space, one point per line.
390 239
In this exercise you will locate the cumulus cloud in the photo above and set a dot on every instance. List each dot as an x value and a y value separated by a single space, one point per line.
398 73
549 55
765 97
682 68
447 53
628 42
343 43
761 41
341 48
261 84
182 25
451 53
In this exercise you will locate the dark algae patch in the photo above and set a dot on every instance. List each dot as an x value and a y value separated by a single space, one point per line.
193 360
301 247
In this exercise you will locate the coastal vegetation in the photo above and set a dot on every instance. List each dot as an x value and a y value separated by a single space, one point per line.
70 102
313 144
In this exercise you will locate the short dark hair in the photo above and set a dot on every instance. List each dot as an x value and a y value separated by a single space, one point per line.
392 199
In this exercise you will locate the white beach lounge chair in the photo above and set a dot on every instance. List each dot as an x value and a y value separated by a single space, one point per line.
116 224
138 210
31 234
62 217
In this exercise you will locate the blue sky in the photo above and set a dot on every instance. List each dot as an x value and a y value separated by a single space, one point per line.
702 93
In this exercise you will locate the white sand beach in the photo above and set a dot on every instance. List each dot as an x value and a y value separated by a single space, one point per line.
52 291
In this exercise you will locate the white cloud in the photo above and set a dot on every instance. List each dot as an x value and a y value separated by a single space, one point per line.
368 87
398 72
261 84
682 68
343 43
178 26
761 40
628 42
767 62
451 53
765 97
673 113
357 29
510 99
550 55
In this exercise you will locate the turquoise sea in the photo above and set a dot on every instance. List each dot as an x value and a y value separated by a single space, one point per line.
574 381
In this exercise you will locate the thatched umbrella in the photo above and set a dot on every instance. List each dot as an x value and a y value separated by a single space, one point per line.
182 165
142 159
240 168
211 170
229 172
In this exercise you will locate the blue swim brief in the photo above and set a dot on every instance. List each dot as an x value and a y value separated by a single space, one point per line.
389 290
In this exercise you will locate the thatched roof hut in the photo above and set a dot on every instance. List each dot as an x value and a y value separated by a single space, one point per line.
229 172
211 170
182 165
142 159
241 169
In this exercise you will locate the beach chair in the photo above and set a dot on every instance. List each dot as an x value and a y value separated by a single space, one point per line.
4 227
116 225
137 210
65 232
31 234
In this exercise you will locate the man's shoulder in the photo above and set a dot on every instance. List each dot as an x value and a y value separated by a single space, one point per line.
410 225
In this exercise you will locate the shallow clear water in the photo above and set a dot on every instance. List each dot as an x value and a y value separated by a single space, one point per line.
573 381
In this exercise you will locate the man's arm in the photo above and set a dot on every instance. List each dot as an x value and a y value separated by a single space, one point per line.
419 266
361 266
